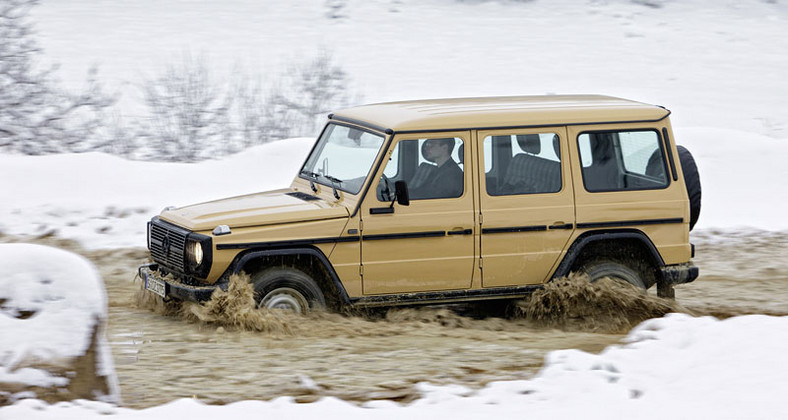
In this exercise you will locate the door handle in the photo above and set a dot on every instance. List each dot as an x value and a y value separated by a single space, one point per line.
460 231
562 225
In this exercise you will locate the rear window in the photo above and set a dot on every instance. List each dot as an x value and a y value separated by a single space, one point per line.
622 160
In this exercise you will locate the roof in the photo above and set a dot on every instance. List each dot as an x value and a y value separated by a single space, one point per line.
506 111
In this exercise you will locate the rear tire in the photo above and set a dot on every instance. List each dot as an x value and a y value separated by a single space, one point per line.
600 269
288 289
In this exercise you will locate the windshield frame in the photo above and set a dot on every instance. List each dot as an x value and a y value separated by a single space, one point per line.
322 180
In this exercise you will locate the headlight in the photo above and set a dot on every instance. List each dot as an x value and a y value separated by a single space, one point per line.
198 254
195 250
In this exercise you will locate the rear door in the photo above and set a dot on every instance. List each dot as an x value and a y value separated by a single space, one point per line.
527 204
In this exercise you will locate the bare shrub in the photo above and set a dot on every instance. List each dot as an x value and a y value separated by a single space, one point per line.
36 115
192 117
187 113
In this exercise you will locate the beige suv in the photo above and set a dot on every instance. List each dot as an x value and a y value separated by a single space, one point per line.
449 200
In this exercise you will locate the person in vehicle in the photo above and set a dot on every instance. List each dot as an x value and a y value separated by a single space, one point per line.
445 181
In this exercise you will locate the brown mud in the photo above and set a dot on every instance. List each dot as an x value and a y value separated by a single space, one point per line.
224 352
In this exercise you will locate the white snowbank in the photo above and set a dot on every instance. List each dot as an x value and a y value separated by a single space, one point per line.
673 367
104 201
50 303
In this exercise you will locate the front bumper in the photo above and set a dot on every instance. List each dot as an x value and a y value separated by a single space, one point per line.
679 273
173 288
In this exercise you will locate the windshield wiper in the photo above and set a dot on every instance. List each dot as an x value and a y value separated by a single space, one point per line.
334 180
313 176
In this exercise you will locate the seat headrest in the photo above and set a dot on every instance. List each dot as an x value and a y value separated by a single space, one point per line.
557 146
530 143
461 153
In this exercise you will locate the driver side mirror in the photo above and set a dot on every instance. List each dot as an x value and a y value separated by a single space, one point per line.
401 192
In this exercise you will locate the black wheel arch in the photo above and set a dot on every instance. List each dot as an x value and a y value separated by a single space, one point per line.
255 259
577 252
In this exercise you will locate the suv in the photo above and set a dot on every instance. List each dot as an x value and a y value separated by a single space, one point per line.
449 200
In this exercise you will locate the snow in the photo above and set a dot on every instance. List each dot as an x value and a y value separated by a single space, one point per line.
51 302
673 367
104 201
719 66
710 62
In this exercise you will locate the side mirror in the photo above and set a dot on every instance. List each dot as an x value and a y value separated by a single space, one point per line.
401 192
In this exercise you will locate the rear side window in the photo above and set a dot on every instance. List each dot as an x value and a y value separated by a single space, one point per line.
622 160
522 164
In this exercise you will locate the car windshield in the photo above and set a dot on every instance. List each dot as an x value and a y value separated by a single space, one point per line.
342 158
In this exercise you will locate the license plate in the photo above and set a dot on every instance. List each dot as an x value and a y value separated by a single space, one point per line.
155 285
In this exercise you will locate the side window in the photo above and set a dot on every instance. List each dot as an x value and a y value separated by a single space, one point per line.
522 164
432 167
622 160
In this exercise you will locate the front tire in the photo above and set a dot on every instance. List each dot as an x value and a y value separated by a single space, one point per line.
599 269
288 289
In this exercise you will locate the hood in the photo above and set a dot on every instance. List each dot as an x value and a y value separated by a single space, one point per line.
267 208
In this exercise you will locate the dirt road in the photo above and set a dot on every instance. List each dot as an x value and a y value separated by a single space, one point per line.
159 358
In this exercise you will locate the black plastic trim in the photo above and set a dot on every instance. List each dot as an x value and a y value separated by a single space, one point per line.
566 226
446 296
201 270
240 261
381 210
577 247
409 235
180 290
293 243
596 225
670 154
303 196
515 229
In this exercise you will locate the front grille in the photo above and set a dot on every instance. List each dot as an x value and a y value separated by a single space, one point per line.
168 245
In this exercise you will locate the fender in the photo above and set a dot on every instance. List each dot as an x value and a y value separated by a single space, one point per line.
594 236
241 260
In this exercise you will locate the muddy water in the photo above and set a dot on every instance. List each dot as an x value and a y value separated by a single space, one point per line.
160 357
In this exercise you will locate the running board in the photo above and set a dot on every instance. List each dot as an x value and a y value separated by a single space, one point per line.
424 298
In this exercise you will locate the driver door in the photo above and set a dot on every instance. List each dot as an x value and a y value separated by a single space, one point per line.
429 244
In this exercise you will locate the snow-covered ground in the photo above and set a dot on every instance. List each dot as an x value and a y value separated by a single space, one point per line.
674 367
719 66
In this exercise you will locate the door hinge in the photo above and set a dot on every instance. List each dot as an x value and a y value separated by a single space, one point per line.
481 219
480 263
361 270
360 225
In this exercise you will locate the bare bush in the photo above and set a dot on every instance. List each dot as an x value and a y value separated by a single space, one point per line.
188 113
36 116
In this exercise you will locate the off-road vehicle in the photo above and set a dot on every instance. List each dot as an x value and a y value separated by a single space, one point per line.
449 200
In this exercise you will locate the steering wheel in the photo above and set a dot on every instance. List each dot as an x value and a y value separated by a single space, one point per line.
384 191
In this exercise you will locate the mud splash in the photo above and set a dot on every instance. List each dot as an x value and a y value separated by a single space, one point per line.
570 304
234 308
576 304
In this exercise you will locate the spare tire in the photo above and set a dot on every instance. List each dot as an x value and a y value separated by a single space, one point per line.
692 181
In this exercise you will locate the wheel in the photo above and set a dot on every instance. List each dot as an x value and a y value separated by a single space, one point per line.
599 269
692 181
289 289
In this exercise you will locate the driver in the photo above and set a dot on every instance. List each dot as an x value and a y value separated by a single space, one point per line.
446 180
